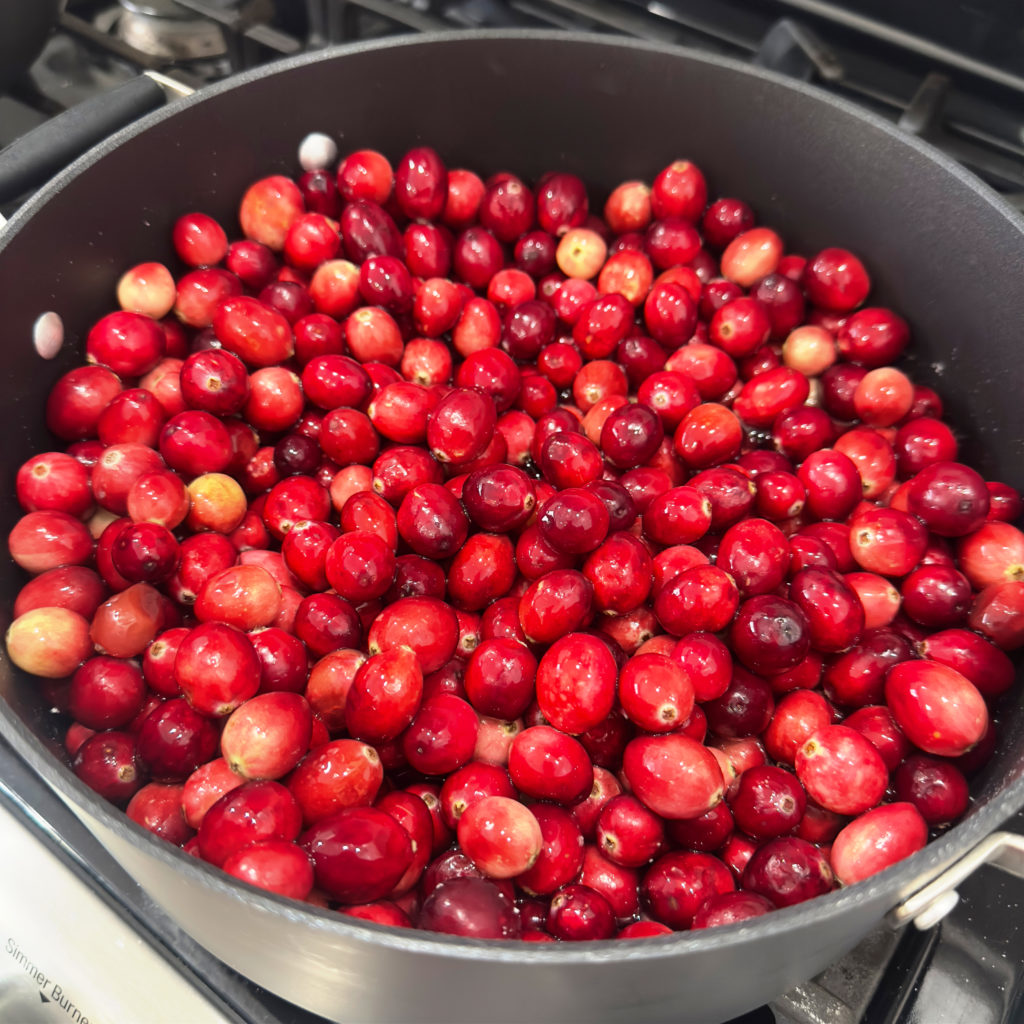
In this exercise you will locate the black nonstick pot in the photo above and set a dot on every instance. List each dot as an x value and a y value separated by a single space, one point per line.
941 247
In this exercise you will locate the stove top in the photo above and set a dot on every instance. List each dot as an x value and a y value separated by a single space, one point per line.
950 71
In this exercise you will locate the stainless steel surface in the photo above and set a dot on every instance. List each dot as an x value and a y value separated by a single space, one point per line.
68 953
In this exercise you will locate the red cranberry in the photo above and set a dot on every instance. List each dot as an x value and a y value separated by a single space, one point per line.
842 770
724 219
469 907
679 883
787 871
745 707
579 913
940 710
936 788
107 763
876 840
174 740
358 853
873 337
951 499
673 775
836 280
576 680
770 634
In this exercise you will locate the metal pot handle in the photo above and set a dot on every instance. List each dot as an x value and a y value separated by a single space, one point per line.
929 905
32 159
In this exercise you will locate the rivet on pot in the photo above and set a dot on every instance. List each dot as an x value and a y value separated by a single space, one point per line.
48 334
936 910
317 151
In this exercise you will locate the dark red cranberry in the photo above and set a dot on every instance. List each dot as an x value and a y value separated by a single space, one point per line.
768 802
770 634
678 884
788 870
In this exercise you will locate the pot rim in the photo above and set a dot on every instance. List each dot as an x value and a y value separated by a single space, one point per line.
891 885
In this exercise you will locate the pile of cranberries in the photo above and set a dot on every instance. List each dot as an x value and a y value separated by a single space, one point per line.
455 555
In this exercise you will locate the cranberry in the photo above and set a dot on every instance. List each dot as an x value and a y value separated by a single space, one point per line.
442 736
106 693
857 677
681 515
703 598
426 626
500 678
385 695
107 763
628 833
756 554
836 280
835 616
631 435
788 870
770 634
73 588
679 190
340 773
482 571
974 657
579 913
707 662
174 739
936 596
800 431
730 908
670 314
123 626
359 853
873 337
751 255
145 553
876 840
217 668
547 764
673 775
994 553
887 541
500 836
936 788
469 907
939 709
951 499
842 770
576 682
561 854
724 219
798 715
744 709
42 541
832 483
679 883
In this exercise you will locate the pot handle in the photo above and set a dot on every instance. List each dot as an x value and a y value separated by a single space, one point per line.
929 905
32 159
